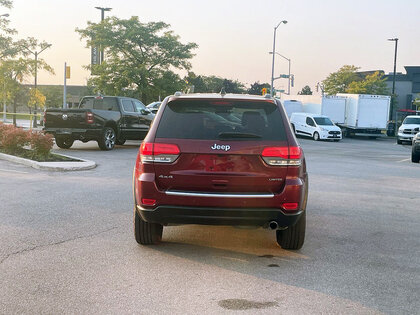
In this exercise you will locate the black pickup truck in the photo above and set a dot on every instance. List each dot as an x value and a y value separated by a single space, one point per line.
109 120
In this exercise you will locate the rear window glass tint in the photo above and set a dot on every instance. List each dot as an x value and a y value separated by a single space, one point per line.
207 120
128 106
106 103
87 103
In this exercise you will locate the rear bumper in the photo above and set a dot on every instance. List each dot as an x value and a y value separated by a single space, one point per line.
217 216
77 134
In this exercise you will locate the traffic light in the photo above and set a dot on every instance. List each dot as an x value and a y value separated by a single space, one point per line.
264 91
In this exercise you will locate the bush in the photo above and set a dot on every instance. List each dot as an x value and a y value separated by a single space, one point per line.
3 129
13 139
41 143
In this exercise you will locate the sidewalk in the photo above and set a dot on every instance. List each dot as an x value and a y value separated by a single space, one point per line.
24 123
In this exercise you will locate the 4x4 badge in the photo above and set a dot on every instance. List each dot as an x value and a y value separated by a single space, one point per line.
220 147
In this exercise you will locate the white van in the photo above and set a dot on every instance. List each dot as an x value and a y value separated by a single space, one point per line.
315 126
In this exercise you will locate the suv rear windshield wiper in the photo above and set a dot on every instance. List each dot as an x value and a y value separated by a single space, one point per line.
225 135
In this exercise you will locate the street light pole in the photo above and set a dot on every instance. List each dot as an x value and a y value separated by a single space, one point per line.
4 85
393 77
274 54
36 53
101 57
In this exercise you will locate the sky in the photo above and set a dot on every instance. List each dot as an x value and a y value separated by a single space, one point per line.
236 36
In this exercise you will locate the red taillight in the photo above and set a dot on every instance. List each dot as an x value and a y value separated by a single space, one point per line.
158 152
148 202
146 148
89 118
282 156
162 148
282 152
290 206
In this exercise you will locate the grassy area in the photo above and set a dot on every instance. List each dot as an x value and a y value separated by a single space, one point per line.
29 154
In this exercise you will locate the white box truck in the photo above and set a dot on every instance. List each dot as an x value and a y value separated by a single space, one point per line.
331 106
366 115
292 106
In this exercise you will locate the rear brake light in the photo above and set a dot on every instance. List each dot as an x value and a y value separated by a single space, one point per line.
282 156
148 202
89 118
290 206
158 152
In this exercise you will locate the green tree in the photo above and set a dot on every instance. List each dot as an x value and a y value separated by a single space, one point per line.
140 57
372 84
256 88
306 90
338 82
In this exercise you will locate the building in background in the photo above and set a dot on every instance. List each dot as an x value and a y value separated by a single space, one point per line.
407 87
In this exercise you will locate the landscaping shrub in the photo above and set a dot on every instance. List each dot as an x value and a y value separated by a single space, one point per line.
13 139
3 129
41 144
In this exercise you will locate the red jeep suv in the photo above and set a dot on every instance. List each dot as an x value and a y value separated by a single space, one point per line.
221 159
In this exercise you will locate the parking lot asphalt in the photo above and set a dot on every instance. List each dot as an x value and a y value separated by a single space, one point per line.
67 245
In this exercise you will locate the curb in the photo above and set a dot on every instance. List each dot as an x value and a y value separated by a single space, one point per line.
52 166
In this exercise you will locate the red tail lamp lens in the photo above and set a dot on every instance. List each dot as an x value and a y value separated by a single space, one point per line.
295 153
148 202
290 206
282 152
146 148
162 148
158 152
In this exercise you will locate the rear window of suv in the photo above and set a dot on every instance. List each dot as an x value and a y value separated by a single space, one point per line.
219 119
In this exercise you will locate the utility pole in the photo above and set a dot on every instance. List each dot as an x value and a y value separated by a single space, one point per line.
393 78
101 57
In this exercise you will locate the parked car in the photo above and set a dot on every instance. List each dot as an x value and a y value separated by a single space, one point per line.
415 150
410 126
195 168
318 127
153 107
109 120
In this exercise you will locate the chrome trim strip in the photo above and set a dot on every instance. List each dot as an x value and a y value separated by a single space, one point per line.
217 195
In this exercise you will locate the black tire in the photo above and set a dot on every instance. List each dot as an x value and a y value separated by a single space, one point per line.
64 142
294 236
146 233
120 141
316 136
399 141
107 140
414 157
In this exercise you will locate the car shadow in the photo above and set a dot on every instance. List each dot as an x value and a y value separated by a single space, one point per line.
250 251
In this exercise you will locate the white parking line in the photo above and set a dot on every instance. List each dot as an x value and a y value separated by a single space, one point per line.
12 171
405 160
